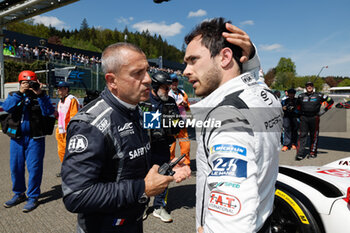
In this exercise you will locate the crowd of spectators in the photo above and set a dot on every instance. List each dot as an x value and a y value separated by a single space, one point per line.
14 49
25 52
154 69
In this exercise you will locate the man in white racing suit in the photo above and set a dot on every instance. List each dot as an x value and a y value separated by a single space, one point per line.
237 160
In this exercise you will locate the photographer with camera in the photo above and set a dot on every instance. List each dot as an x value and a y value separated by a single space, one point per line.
290 121
27 124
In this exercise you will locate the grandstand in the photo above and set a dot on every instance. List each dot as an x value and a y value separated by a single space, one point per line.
86 75
16 10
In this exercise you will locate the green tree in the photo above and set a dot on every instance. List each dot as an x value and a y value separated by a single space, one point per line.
13 68
285 65
344 83
84 25
84 30
285 74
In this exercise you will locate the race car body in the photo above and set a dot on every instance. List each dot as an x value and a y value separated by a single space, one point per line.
313 199
345 105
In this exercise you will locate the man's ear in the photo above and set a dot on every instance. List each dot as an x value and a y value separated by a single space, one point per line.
110 80
226 55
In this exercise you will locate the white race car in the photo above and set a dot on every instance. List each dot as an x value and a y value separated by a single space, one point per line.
310 199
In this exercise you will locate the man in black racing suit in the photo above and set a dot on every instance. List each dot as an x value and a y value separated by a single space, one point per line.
309 106
105 172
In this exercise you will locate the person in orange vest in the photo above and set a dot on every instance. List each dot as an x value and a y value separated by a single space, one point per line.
183 104
67 107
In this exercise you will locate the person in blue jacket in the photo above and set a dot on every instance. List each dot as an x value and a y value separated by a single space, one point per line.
26 125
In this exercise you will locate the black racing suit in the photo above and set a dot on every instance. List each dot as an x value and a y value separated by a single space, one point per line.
290 122
106 161
309 105
162 138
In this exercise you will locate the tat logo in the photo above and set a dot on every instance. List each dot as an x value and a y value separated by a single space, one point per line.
224 203
151 120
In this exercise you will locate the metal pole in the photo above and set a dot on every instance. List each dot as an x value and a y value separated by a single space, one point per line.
318 75
97 75
2 65
321 70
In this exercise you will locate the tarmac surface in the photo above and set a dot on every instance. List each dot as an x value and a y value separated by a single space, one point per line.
51 215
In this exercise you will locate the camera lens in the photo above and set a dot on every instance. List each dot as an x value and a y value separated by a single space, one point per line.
34 85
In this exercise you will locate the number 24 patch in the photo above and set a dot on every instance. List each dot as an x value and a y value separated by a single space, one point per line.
229 167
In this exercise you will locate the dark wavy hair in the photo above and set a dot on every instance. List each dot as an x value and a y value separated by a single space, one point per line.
211 34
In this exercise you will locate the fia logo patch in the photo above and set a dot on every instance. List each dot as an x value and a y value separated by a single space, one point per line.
151 120
77 143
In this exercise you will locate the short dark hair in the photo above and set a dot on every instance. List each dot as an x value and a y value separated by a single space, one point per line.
291 91
211 35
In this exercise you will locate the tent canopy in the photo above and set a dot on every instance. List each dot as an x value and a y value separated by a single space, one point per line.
16 10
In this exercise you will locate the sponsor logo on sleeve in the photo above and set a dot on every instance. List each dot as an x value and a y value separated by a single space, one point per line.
225 184
229 167
103 124
337 172
227 148
224 203
263 95
78 143
246 78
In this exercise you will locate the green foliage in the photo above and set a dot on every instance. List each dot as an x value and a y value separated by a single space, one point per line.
286 65
285 74
344 83
84 25
95 39
284 80
13 68
80 44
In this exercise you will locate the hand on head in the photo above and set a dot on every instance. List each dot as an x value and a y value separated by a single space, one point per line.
240 38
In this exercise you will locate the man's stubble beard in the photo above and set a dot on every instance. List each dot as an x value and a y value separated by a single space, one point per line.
212 78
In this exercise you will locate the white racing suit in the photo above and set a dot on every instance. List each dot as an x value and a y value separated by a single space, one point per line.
237 162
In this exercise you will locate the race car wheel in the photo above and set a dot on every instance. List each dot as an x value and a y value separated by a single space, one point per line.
293 215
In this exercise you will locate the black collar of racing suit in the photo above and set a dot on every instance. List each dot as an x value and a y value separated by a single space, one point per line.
116 105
